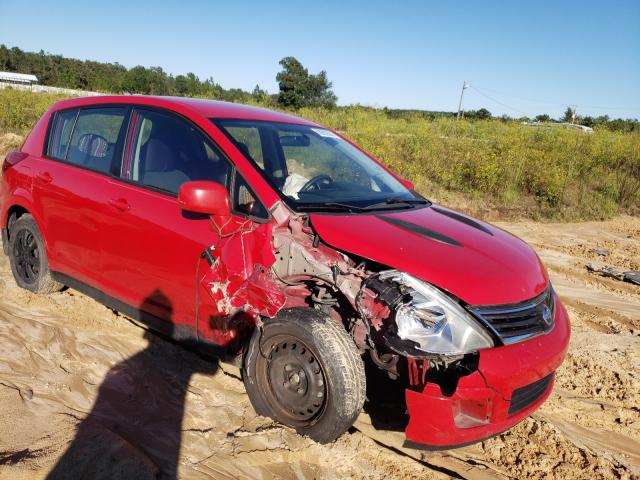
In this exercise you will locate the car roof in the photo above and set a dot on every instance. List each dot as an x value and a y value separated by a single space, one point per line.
202 106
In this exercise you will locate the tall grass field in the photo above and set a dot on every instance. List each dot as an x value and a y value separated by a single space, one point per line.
489 168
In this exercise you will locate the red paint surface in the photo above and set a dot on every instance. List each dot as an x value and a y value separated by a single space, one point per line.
206 197
486 269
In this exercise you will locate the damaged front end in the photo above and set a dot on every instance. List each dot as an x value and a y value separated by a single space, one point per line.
462 383
424 342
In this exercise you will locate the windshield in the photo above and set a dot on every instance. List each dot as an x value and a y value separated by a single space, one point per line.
314 169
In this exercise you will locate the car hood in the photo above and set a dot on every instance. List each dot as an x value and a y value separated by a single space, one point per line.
477 262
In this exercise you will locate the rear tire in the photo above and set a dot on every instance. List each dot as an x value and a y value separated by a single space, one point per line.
28 257
303 370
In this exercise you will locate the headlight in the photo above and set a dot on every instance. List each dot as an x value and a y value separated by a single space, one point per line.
435 322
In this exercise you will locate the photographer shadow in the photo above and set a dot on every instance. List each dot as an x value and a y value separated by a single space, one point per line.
134 429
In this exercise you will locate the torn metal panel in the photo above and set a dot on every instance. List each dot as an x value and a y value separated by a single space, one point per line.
239 283
256 294
240 278
299 254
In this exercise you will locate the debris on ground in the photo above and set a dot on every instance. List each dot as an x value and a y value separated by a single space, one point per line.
609 271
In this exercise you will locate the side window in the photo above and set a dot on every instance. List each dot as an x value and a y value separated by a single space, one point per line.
95 136
60 133
245 202
166 151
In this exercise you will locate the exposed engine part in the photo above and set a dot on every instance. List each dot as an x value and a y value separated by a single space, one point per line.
389 292
446 374
312 273
321 296
376 300
386 361
300 255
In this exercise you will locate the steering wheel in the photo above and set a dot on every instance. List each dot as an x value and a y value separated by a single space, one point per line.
317 182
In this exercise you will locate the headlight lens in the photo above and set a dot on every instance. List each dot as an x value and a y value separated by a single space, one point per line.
435 322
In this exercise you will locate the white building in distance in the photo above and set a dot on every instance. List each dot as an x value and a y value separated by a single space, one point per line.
18 78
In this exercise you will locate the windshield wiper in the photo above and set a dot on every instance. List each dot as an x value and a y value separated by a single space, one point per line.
329 206
390 202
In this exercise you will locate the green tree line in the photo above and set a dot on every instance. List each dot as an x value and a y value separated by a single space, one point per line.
59 71
297 87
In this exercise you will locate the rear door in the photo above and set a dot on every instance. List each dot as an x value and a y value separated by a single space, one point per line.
152 248
70 183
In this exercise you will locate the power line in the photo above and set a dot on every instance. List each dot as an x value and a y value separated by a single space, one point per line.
499 102
535 100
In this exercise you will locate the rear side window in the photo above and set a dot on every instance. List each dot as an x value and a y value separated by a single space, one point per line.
60 133
95 136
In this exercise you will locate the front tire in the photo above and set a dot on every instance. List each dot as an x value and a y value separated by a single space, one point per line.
303 370
28 257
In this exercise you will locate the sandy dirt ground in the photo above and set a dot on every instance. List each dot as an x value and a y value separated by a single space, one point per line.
81 385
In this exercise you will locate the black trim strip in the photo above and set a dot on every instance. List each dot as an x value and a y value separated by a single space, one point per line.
523 397
420 230
461 218
184 334
438 448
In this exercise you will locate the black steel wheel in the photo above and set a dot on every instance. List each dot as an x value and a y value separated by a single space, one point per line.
28 257
302 369
294 378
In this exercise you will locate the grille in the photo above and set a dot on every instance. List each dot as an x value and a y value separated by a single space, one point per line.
524 396
519 321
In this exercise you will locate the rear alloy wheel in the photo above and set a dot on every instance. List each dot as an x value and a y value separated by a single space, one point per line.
303 370
28 257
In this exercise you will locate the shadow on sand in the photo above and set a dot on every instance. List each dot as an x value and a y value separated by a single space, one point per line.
134 429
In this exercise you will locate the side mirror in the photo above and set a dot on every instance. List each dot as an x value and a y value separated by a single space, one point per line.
407 183
202 196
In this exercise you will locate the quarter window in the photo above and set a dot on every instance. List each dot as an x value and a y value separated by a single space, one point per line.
166 151
60 133
245 202
95 137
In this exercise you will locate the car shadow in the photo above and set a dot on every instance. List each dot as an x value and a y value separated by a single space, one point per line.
385 404
134 429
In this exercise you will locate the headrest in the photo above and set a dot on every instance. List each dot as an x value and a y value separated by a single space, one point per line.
159 157
94 145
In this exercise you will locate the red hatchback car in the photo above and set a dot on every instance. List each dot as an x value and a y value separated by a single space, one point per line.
280 245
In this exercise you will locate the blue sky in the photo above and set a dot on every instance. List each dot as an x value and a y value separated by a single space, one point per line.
524 57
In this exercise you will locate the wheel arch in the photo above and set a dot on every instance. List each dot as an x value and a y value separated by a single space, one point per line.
19 205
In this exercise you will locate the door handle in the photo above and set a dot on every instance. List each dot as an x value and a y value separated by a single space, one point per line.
120 204
44 177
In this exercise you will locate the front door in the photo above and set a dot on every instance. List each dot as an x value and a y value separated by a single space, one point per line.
151 247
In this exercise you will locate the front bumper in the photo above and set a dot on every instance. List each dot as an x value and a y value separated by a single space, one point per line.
438 422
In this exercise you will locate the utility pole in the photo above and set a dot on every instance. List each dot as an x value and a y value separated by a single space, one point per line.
465 85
